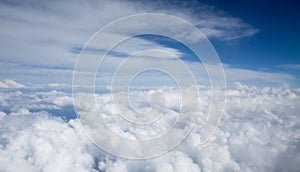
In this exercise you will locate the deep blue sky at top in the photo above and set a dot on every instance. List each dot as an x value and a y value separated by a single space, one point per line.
277 42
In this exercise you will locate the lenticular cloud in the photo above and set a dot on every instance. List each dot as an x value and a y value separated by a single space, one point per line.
258 132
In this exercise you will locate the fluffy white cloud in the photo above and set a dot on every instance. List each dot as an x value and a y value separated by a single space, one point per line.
259 132
39 142
10 84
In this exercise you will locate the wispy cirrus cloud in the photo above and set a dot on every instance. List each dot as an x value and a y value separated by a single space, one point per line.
290 66
215 23
47 36
45 32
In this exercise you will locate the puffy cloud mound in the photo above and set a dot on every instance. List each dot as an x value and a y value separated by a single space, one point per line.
258 132
41 143
11 84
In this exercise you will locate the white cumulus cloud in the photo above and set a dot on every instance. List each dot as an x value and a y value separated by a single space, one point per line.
258 132
10 84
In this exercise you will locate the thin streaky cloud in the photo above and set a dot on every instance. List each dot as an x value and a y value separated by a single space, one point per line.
290 66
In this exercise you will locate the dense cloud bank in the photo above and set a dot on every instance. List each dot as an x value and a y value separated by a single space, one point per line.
260 131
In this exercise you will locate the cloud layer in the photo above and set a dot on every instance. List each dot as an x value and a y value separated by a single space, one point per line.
258 132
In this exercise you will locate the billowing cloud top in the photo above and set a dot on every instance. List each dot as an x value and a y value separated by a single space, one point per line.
259 131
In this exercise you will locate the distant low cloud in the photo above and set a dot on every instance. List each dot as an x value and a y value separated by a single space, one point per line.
240 74
290 66
11 84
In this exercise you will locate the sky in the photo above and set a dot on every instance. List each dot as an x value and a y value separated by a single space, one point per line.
179 85
276 46
257 42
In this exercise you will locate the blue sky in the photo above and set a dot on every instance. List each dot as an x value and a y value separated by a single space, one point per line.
278 36
275 47
257 41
